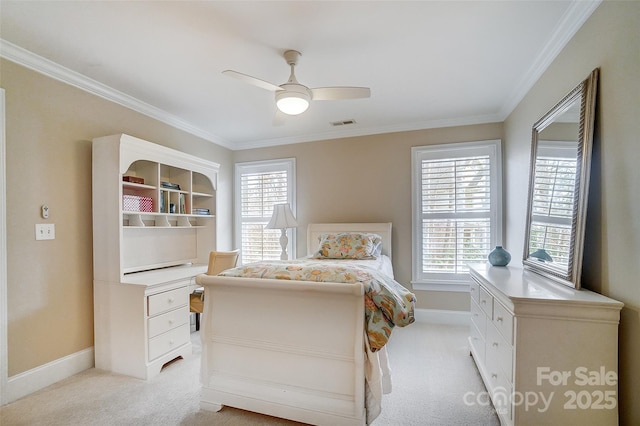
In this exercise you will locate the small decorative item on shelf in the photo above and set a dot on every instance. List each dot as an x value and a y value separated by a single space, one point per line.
499 257
135 203
133 179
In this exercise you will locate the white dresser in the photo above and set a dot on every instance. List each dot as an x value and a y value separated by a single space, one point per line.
547 353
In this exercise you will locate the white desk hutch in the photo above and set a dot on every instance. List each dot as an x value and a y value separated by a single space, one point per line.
154 225
547 353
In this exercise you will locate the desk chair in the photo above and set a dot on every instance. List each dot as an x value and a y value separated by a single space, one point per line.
218 261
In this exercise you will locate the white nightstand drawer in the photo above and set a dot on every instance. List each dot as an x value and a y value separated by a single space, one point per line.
503 321
486 302
168 341
165 322
168 300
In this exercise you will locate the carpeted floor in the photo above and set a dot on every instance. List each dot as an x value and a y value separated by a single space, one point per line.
431 366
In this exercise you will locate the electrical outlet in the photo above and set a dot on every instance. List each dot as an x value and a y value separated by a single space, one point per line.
45 231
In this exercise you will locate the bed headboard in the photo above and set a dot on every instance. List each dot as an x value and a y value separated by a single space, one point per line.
315 229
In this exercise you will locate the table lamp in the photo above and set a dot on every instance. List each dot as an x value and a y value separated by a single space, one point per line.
282 219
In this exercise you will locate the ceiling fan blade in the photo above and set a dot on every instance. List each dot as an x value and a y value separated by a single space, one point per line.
252 80
337 93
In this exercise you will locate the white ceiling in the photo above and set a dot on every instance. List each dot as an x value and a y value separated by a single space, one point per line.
428 63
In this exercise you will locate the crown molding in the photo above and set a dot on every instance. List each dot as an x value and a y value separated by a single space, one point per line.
56 71
574 17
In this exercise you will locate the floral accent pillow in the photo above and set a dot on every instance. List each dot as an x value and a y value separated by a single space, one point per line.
349 245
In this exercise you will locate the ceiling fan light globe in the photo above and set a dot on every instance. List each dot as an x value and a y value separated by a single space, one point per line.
292 105
293 100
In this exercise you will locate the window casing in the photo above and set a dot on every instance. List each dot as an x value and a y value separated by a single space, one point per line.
258 186
457 211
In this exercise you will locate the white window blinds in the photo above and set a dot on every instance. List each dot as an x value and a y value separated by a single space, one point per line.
456 200
456 214
260 185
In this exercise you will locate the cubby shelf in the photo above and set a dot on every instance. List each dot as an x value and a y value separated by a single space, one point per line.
163 220
137 185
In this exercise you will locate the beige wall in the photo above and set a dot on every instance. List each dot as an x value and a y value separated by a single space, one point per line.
610 40
50 126
368 179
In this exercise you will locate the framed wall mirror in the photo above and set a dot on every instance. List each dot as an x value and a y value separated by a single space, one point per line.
559 184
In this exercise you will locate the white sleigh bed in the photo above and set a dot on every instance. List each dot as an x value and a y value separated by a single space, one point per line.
291 349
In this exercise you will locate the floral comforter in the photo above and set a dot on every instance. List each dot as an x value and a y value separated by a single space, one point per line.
387 303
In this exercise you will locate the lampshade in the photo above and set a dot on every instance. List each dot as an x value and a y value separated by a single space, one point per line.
293 100
282 217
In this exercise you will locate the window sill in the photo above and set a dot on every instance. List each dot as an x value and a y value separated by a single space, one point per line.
455 286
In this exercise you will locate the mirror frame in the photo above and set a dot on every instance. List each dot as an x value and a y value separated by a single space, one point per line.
586 92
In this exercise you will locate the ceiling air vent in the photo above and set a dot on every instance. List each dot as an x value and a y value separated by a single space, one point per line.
343 123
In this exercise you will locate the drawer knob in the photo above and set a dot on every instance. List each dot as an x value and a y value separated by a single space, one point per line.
170 342
170 322
494 376
499 319
495 344
170 300
483 301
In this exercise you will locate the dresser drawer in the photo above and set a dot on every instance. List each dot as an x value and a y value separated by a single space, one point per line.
503 320
486 302
499 351
168 300
168 341
474 290
165 322
503 397
478 317
477 341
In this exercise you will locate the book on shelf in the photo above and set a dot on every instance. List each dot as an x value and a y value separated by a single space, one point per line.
170 185
201 211
182 207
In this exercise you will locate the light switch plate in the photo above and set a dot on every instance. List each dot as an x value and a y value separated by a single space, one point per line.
45 231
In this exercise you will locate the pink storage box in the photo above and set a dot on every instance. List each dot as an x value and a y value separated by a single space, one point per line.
135 203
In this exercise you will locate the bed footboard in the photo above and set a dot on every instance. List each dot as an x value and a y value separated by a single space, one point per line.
290 349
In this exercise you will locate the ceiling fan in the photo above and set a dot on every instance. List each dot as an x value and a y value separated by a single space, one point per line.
293 98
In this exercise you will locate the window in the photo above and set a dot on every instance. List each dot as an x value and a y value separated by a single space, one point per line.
553 199
457 211
259 185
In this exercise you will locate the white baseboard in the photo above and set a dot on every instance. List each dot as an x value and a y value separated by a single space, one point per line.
436 316
40 377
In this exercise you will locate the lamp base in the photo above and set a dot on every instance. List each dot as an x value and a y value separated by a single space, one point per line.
283 244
